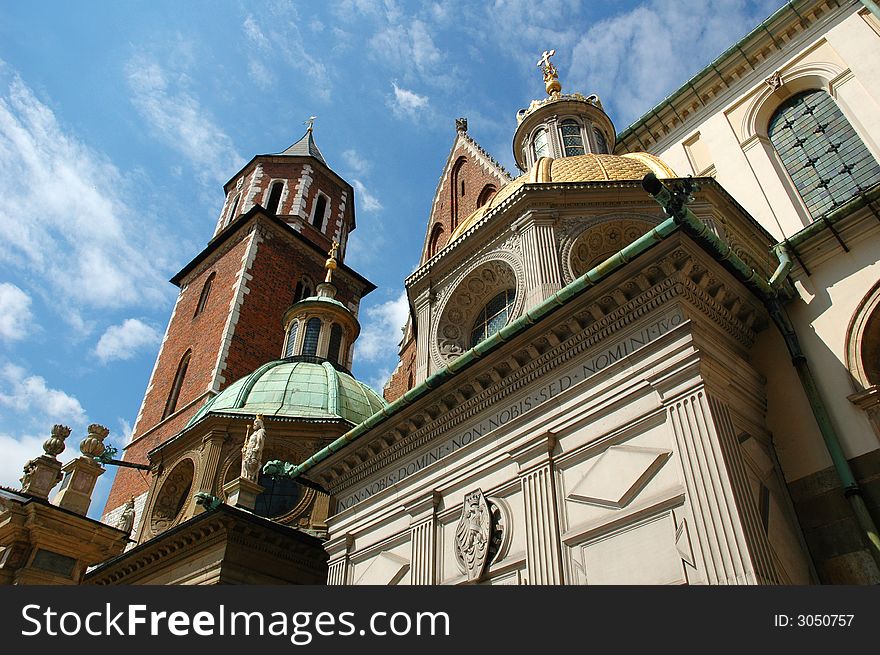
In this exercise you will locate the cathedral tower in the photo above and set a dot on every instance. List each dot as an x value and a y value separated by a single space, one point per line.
282 214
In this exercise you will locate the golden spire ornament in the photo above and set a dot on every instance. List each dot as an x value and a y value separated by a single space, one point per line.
330 264
551 75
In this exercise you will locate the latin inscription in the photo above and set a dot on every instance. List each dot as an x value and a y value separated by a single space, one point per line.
604 357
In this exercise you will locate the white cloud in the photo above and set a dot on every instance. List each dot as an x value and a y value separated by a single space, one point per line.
29 394
16 452
634 59
407 103
366 200
70 225
382 330
180 120
355 162
276 39
15 312
125 340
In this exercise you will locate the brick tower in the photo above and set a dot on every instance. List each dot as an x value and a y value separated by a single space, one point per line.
281 215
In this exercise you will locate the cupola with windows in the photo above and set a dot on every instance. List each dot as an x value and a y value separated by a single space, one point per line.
561 125
319 327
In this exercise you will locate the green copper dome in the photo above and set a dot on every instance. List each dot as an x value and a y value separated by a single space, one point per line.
296 389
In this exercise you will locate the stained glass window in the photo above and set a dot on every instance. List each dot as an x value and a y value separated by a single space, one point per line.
601 144
572 141
335 343
310 339
826 159
542 147
493 316
291 339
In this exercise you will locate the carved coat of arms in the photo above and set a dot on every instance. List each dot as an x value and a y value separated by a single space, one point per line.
473 535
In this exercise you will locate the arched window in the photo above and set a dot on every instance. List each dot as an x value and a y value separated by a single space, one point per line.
456 171
335 343
540 144
486 195
572 141
203 298
493 316
302 290
310 339
171 404
320 210
274 197
231 216
434 243
825 158
601 143
291 339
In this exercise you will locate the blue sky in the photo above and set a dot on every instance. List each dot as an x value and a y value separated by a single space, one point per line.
120 122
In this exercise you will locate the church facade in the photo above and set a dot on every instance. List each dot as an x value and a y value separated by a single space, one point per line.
651 357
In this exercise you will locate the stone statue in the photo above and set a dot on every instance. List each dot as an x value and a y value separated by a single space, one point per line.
252 450
473 535
126 520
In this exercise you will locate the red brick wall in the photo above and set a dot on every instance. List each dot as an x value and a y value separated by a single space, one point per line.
399 383
452 206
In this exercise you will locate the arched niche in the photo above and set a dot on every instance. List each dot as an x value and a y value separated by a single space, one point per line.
173 496
468 298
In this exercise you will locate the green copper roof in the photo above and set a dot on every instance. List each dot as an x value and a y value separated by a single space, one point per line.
296 389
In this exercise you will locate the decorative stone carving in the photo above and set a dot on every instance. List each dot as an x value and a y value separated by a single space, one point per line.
54 445
599 242
479 534
173 496
252 450
452 336
775 80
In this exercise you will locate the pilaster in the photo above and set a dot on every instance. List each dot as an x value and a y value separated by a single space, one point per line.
538 483
423 538
730 547
212 446
540 259
423 324
337 568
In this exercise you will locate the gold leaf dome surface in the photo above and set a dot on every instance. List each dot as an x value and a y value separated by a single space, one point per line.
580 168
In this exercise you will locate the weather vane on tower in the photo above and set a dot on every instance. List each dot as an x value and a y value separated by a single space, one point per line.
310 122
551 75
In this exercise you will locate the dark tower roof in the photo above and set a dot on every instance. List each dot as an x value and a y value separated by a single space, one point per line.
305 147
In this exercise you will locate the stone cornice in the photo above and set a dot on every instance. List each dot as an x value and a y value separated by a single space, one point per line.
225 524
682 271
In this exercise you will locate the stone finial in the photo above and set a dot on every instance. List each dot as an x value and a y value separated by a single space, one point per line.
93 444
461 124
54 445
42 473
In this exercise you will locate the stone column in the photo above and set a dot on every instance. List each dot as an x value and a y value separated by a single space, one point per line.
338 548
81 474
423 539
540 258
538 479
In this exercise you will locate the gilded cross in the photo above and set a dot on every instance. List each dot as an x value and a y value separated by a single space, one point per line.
544 61
333 249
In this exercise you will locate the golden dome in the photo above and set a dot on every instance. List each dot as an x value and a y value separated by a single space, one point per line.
580 168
